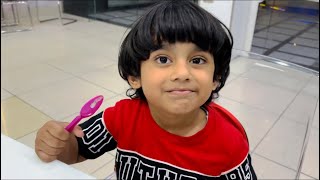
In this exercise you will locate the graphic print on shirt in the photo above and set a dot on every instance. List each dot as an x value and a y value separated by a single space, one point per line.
131 165
96 136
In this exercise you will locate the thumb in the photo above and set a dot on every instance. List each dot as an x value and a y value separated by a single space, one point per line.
77 131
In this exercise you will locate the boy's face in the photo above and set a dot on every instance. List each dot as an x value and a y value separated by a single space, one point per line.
176 79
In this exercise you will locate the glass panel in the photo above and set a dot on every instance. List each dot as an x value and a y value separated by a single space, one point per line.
124 12
288 30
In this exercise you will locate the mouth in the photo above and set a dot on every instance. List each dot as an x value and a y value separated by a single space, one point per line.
180 92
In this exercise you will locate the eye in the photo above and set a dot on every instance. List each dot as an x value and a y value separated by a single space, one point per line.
198 60
163 60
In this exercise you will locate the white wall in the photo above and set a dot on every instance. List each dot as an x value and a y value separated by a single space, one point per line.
243 22
239 16
221 9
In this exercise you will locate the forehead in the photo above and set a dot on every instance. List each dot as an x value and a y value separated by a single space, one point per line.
185 45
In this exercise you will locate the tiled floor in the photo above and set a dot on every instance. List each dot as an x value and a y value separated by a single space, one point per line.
47 73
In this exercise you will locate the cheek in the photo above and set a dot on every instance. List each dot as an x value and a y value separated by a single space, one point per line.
148 79
206 79
205 76
151 80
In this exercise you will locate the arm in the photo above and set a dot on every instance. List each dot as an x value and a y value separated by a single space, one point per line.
96 140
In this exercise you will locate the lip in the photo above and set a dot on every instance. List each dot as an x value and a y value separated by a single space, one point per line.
180 91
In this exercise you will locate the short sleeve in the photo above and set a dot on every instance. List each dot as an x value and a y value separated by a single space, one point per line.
97 139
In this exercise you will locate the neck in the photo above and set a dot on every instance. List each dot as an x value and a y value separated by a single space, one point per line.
183 125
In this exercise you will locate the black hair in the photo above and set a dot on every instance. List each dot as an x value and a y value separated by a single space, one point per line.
173 21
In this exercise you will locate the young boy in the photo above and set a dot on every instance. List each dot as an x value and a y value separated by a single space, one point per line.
176 59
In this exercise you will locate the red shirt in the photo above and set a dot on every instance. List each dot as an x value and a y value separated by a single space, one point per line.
220 147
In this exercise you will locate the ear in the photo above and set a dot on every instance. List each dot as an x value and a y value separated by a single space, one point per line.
215 84
134 82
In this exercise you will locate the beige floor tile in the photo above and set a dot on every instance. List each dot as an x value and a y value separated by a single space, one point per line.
266 169
77 64
19 118
31 77
283 143
97 27
64 98
310 164
286 79
113 152
105 171
5 94
241 65
29 139
231 77
90 166
315 122
28 44
258 94
312 87
108 78
305 177
302 108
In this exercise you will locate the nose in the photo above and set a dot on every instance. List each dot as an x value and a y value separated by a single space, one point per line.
180 71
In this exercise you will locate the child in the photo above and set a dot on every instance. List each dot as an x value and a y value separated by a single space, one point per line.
176 59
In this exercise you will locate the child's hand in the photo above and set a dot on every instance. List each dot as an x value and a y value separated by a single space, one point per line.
52 139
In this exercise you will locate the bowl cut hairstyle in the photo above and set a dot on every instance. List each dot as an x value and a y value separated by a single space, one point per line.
170 22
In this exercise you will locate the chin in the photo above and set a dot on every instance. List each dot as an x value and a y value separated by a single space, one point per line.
181 109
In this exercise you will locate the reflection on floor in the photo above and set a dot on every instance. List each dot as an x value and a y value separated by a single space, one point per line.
288 36
49 72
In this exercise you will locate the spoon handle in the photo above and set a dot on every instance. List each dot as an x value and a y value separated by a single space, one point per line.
73 123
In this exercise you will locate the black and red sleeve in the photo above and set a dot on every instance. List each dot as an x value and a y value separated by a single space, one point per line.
97 139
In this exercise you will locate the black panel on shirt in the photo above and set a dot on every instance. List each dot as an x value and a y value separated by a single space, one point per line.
96 140
131 165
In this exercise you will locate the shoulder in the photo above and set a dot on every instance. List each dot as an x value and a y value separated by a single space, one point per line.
129 102
125 108
227 119
231 134
125 105
123 114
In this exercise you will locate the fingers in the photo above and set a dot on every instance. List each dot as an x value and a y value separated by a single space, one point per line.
56 129
77 131
44 156
51 140
50 147
48 152
62 134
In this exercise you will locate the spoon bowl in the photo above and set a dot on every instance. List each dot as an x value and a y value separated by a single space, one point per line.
88 109
91 106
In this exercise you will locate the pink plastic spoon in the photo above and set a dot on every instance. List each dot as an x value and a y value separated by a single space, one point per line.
87 110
